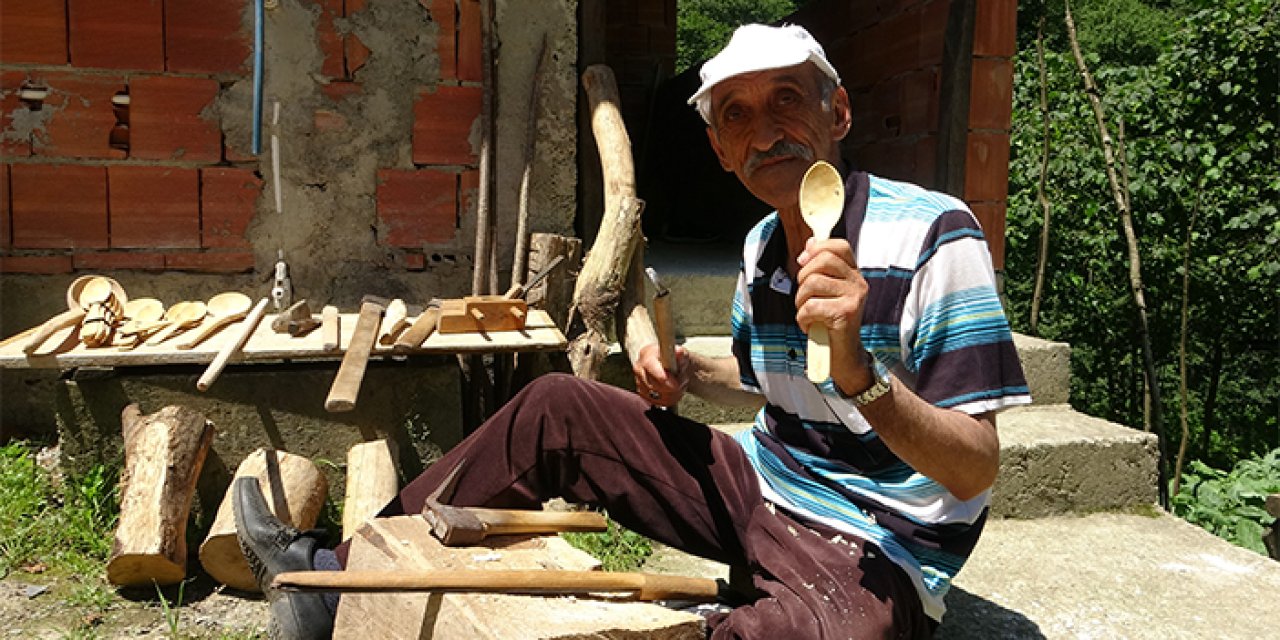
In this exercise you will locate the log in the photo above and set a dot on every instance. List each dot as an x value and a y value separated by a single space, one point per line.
163 455
404 543
555 293
600 285
294 488
371 483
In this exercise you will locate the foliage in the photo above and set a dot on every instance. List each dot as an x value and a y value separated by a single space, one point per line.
63 528
617 549
703 27
1199 124
1230 505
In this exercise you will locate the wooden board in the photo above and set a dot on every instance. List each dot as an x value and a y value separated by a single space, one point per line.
405 542
63 350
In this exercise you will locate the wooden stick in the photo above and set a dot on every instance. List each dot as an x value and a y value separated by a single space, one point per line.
231 348
330 325
419 331
644 586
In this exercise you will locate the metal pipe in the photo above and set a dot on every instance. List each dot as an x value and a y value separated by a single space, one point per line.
258 19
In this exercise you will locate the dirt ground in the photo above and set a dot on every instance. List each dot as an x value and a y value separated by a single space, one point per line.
37 606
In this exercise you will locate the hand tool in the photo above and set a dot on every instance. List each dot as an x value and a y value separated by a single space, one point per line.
282 288
296 320
223 309
821 203
642 586
521 290
74 314
346 385
394 320
421 329
663 321
330 326
231 348
462 526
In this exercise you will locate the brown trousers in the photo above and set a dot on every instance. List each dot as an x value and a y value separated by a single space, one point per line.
683 484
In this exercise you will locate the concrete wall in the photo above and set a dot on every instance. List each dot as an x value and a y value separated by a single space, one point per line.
378 129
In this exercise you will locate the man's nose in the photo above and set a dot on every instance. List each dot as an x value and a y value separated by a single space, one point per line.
765 133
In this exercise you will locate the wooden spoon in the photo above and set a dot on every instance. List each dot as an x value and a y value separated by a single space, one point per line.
821 203
180 316
224 309
101 311
140 315
74 314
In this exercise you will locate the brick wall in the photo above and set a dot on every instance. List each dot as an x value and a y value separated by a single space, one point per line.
115 155
641 50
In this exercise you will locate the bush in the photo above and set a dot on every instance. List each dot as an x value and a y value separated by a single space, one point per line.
1230 505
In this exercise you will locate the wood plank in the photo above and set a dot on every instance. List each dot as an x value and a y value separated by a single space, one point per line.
405 542
60 352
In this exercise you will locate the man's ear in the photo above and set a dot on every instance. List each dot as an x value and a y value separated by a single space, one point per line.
715 146
843 113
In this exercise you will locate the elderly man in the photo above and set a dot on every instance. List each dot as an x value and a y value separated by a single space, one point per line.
854 500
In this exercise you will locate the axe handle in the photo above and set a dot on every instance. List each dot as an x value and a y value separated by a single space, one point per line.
233 347
419 331
346 385
643 586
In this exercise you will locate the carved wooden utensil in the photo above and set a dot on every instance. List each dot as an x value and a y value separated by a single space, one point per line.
224 309
180 316
74 314
821 203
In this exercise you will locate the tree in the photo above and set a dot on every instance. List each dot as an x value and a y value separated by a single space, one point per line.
703 27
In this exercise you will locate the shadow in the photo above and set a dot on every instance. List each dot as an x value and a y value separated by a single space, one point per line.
971 617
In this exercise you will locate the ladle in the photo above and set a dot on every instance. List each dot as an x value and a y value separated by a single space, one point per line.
224 309
75 311
821 203
180 316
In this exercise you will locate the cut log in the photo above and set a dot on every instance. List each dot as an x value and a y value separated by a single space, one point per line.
371 483
405 543
294 488
604 273
163 455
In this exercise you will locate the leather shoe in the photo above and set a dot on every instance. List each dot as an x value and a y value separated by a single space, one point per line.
272 547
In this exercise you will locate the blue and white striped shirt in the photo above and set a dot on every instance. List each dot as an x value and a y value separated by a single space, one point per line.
932 316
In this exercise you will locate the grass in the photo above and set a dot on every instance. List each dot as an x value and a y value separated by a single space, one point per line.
617 549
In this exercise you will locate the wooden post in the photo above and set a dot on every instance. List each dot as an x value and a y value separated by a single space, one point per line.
163 453
371 483
295 489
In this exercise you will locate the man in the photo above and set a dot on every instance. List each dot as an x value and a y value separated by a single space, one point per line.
853 501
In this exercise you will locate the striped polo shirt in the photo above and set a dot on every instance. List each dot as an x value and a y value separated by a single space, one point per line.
932 316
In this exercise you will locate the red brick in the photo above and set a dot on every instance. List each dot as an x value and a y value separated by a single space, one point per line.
80 115
324 120
6 238
920 101
33 32
229 201
44 265
468 193
986 167
413 261
121 34
58 206
153 207
470 62
211 262
995 31
442 124
165 120
341 91
13 143
208 37
357 53
329 40
991 94
417 206
656 13
445 14
111 260
991 215
931 35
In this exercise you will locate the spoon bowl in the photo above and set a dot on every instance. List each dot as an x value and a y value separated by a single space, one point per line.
821 205
224 309
180 316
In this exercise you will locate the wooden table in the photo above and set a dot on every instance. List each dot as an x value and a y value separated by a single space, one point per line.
405 542
65 351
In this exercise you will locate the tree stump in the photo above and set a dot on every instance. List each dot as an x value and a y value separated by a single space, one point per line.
371 483
295 490
164 453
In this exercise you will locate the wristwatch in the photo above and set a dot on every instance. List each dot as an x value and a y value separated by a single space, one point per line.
880 385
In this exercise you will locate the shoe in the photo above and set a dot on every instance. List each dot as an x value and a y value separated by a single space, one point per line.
272 547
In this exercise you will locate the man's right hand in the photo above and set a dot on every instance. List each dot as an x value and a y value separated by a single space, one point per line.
656 384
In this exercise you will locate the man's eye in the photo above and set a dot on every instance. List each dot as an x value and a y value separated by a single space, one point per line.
732 114
788 98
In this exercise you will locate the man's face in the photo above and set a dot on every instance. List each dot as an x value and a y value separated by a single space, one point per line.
769 126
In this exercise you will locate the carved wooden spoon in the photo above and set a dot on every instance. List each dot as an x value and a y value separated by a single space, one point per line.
180 316
821 203
224 309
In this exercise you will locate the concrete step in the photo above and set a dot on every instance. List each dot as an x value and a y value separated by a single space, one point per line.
1105 575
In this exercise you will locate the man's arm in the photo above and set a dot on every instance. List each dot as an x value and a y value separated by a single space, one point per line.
713 379
959 451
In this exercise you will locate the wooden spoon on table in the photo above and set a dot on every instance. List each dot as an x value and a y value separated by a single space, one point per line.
224 309
821 203
102 311
141 316
180 316
74 314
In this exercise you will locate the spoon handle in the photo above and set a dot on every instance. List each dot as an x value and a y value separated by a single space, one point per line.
818 354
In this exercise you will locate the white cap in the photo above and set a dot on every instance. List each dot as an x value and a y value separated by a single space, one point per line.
757 47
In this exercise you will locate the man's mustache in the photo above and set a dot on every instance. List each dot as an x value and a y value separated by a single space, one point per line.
779 149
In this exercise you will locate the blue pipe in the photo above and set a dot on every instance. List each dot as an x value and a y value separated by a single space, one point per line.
257 76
